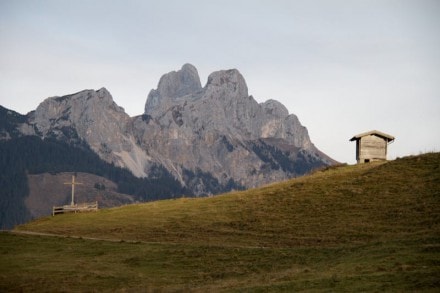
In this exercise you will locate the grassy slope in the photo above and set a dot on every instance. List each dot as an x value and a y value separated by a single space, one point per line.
368 227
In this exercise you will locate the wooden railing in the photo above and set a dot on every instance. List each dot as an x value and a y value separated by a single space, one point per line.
82 207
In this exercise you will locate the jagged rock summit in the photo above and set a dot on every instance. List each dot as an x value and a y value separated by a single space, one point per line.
173 86
94 118
212 138
222 106
222 131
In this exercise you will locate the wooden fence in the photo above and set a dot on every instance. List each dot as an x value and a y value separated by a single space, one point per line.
82 207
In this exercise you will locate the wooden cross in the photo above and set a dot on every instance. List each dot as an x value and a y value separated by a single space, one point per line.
73 183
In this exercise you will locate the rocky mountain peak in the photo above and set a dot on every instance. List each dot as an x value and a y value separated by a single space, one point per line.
92 117
230 82
172 86
210 139
222 131
275 108
179 83
103 93
87 105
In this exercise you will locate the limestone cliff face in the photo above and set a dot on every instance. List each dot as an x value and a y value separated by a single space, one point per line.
223 131
211 138
93 117
172 87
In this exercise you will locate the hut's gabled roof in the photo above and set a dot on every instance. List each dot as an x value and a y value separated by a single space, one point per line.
385 136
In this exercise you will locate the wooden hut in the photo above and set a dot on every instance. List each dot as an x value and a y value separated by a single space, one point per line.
371 146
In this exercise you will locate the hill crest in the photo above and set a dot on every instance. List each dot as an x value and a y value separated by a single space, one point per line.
349 204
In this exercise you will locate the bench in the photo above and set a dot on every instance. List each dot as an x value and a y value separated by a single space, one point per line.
82 207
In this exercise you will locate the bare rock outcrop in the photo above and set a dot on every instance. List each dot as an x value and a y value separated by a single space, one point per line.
223 131
172 87
212 138
93 117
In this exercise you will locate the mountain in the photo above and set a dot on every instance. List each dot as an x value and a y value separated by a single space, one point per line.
223 131
218 130
210 139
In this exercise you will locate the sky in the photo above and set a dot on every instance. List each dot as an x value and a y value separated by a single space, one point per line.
343 67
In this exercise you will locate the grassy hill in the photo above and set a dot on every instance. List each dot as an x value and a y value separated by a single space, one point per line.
368 227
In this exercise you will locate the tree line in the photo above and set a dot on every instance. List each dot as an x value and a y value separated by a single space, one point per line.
33 155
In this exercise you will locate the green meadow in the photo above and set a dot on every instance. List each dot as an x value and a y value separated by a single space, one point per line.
371 227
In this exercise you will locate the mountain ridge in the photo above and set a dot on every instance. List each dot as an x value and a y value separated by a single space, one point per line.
185 127
209 139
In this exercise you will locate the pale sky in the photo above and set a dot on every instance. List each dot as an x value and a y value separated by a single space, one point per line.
343 66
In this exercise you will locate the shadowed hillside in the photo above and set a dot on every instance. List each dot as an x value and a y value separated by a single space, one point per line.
47 190
366 227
